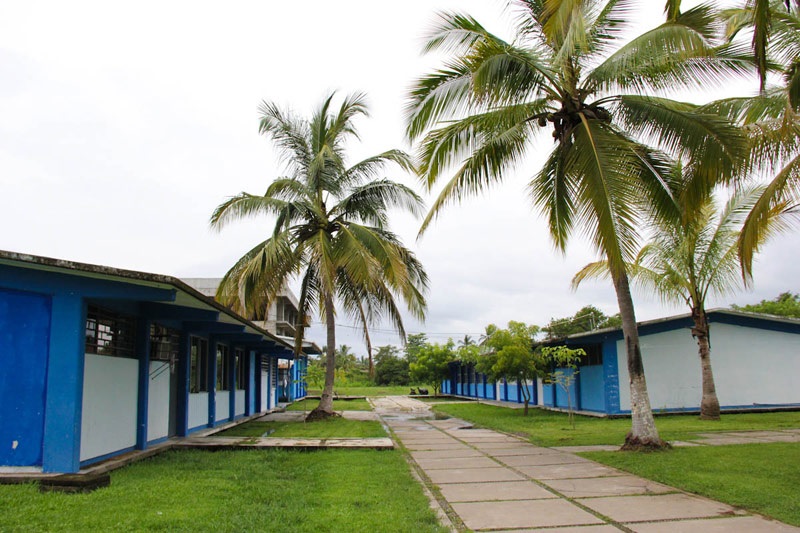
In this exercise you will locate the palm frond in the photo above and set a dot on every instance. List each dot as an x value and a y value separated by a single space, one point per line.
241 206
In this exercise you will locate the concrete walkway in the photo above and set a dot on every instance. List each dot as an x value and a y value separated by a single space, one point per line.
489 481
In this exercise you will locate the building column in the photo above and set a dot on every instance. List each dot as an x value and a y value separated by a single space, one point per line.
184 369
61 442
143 352
232 377
212 381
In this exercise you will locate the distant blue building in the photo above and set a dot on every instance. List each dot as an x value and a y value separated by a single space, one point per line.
98 361
755 359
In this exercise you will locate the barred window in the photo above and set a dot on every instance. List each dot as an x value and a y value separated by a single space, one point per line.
198 377
110 333
164 343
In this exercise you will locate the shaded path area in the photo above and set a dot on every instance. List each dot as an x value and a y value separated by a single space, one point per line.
489 481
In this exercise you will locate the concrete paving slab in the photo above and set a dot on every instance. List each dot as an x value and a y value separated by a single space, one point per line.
607 528
724 441
437 446
501 445
473 475
445 454
496 438
736 524
569 471
524 449
504 490
460 462
755 434
427 439
781 438
523 513
542 459
683 444
607 486
360 415
660 507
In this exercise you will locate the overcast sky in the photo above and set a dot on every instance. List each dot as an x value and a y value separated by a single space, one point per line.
122 126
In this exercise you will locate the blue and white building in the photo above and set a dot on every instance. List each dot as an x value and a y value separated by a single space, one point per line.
755 359
97 361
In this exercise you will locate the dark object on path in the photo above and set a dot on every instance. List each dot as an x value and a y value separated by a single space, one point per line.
413 392
75 483
423 392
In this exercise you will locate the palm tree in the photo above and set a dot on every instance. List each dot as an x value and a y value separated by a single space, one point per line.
330 229
466 341
772 118
568 72
687 261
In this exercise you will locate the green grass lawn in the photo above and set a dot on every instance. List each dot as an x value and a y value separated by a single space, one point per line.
764 478
258 490
321 429
338 405
548 428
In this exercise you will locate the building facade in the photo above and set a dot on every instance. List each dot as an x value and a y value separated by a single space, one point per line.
98 361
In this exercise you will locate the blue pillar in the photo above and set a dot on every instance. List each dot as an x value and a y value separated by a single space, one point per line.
232 377
184 369
61 442
143 351
212 381
250 386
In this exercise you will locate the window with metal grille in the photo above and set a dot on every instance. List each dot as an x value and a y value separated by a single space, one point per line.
164 343
110 333
198 376
223 368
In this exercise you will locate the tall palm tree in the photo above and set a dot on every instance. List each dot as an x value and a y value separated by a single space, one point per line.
686 261
568 72
330 229
772 118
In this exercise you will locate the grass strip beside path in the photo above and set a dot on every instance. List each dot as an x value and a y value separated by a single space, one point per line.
256 490
329 428
764 478
338 405
549 428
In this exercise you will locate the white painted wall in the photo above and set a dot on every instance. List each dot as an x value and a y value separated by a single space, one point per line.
264 390
198 409
110 395
751 366
239 403
158 400
223 402
754 366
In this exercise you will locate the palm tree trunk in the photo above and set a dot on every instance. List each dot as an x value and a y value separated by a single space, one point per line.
709 405
325 407
643 432
369 354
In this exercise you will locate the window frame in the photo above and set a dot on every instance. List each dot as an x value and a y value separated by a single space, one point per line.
223 377
109 333
198 365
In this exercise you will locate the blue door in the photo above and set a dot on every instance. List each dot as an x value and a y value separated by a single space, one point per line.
24 348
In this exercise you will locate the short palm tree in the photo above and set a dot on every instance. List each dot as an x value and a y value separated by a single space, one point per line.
685 262
569 72
772 118
330 229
